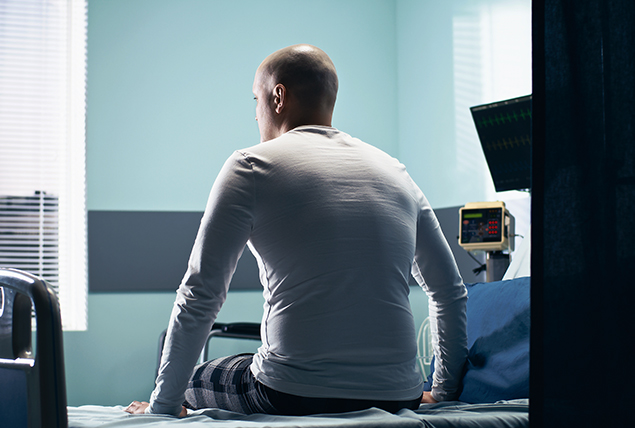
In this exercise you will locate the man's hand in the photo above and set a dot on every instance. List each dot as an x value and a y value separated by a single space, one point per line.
427 398
139 408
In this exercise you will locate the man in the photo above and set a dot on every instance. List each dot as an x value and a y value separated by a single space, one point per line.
335 225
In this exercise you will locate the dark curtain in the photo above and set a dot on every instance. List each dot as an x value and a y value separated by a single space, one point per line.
583 214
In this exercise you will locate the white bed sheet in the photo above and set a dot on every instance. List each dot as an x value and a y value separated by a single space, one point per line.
508 414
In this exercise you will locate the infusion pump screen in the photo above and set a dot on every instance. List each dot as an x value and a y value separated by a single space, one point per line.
481 225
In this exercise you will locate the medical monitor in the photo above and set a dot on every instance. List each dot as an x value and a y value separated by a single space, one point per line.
504 129
486 226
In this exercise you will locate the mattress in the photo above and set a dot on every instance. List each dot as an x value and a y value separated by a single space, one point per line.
508 414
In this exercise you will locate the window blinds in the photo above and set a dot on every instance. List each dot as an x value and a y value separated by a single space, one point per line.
42 146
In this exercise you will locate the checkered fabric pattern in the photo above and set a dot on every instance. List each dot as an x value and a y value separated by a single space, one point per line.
227 383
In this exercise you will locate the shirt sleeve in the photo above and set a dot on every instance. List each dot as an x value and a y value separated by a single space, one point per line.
223 233
436 271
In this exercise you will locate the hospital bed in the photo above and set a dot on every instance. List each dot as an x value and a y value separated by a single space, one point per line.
495 387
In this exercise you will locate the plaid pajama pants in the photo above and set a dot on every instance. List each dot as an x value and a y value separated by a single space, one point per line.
227 383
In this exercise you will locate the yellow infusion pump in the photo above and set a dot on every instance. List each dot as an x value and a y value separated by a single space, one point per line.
486 226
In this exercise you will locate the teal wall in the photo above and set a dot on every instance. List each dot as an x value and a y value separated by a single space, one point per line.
169 98
169 87
425 99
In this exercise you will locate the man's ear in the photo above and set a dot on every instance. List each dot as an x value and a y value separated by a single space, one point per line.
279 97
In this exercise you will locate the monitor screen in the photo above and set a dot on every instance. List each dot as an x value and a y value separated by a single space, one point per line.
481 225
504 129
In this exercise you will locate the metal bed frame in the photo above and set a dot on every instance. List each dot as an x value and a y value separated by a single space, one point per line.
33 392
236 330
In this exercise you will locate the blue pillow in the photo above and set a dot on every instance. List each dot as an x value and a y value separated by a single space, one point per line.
498 342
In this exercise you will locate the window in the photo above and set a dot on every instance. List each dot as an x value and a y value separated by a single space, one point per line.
492 62
42 146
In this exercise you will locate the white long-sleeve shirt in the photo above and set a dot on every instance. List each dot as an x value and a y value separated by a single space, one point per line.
335 225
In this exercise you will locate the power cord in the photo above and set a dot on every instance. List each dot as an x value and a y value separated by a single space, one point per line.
482 267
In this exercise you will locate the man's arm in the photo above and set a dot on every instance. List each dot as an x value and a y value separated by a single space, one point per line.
436 271
224 231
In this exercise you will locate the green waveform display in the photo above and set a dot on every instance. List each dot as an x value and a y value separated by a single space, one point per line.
508 143
502 118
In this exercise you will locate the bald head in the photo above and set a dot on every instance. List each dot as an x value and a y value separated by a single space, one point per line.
294 86
308 74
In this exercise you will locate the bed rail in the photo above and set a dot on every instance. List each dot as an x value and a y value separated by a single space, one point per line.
33 392
236 330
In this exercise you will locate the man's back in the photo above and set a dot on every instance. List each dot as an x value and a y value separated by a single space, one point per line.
334 228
